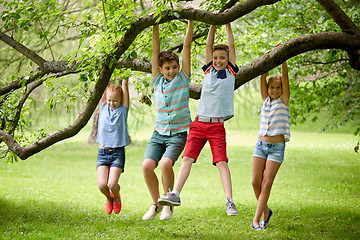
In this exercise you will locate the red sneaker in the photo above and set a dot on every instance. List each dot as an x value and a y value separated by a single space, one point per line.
117 206
109 205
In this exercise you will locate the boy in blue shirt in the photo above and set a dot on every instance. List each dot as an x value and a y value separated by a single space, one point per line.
216 106
171 95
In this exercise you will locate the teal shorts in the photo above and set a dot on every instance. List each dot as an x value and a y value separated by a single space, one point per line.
165 146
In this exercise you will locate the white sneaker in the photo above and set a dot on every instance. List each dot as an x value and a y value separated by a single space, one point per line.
167 213
152 212
230 207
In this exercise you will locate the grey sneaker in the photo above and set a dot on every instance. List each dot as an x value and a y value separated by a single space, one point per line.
230 207
170 199
167 213
152 212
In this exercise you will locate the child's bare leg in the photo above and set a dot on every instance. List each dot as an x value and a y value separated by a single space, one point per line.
102 179
167 173
257 175
184 173
225 178
113 182
267 182
148 167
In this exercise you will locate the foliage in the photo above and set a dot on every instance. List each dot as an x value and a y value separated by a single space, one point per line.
85 32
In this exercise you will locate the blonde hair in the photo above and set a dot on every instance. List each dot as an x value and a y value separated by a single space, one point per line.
116 88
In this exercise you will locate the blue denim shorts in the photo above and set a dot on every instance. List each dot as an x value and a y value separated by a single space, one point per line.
269 151
111 157
165 146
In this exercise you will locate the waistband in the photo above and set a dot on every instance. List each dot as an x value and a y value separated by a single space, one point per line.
209 119
111 150
267 144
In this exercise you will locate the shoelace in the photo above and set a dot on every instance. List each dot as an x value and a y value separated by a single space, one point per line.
168 193
230 205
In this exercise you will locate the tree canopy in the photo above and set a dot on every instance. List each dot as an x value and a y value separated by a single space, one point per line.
74 48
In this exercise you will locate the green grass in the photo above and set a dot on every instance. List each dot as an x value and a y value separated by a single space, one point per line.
54 195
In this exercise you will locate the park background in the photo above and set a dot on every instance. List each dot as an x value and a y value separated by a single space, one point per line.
54 195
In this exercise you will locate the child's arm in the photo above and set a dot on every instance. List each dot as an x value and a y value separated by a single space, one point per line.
103 98
285 96
231 44
125 89
186 55
156 50
209 44
263 86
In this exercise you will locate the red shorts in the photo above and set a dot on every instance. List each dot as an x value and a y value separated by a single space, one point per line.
199 134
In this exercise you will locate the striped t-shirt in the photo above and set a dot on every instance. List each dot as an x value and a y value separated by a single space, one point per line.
275 119
172 103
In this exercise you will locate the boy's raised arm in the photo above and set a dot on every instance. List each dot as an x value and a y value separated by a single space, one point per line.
285 96
231 44
209 44
186 55
156 50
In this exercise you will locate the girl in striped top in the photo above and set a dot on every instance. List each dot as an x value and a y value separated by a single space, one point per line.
270 146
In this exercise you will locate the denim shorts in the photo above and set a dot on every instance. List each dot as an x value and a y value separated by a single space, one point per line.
112 157
169 146
269 151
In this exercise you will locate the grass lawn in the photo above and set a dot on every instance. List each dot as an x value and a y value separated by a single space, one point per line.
54 195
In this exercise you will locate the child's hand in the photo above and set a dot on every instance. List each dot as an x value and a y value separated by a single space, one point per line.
264 75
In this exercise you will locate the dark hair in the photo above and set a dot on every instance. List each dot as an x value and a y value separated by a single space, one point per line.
167 56
221 47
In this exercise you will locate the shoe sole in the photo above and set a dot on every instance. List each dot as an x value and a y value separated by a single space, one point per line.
169 203
233 214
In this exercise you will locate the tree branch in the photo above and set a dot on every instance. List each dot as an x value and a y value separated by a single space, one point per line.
293 47
339 16
47 67
22 49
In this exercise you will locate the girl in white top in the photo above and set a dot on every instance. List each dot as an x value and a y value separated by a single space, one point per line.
270 146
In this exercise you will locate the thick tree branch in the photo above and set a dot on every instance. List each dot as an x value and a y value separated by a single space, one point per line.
289 49
293 47
339 16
